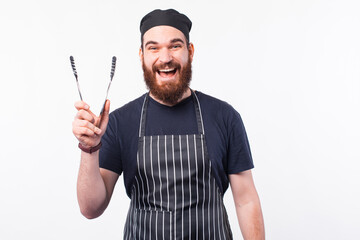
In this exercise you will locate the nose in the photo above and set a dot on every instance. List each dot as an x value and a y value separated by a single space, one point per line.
165 56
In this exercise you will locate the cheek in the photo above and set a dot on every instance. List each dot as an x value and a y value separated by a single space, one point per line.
149 60
148 63
183 58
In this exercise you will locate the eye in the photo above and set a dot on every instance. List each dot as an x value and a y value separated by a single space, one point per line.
152 48
176 46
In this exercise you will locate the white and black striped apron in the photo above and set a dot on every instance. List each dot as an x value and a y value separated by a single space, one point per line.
174 195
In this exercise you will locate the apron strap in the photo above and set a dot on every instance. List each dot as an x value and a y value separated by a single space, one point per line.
143 116
198 114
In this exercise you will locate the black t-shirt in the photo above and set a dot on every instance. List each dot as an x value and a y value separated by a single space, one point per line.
225 135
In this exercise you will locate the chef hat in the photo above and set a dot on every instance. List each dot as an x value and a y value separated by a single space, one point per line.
169 17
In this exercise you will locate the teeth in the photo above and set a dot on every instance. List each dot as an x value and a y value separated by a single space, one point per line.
166 70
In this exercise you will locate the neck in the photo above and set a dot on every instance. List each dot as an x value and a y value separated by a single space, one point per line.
186 94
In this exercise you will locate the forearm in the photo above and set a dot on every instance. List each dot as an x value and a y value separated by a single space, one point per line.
251 220
91 191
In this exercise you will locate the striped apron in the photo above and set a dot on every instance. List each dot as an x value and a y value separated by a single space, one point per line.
174 195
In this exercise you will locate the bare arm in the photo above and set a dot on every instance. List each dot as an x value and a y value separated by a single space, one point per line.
247 204
94 186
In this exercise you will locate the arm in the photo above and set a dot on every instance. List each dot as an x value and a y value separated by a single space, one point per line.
94 185
247 204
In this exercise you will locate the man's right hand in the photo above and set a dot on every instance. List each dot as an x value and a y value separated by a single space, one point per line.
87 127
95 185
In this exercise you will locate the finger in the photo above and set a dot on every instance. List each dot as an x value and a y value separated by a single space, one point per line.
86 132
87 141
85 115
89 125
81 105
105 116
107 107
83 132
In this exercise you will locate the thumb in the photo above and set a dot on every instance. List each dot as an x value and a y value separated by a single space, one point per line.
104 117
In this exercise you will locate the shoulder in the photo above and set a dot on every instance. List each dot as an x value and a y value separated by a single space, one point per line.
128 111
126 118
218 109
213 102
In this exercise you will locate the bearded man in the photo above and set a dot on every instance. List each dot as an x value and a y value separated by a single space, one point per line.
178 149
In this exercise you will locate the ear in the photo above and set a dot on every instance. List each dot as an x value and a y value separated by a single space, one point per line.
141 54
191 51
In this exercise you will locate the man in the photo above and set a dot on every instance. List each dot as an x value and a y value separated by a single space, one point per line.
178 148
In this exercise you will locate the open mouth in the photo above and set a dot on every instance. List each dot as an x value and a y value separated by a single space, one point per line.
167 73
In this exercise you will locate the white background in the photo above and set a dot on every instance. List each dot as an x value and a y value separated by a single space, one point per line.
291 68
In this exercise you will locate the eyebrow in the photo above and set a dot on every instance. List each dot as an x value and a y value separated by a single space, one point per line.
150 42
177 40
172 41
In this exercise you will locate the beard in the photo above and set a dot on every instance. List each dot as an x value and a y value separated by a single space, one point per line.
168 92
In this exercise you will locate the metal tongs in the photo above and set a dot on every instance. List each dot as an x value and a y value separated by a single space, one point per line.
111 78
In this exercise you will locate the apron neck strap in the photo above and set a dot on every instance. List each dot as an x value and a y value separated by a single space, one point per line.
199 119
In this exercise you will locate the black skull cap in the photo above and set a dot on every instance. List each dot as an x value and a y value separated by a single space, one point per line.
169 17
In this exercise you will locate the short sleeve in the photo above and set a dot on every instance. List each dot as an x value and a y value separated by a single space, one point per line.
109 157
239 154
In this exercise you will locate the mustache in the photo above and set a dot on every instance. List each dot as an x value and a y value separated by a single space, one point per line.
171 64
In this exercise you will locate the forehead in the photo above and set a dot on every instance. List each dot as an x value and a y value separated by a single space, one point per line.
163 34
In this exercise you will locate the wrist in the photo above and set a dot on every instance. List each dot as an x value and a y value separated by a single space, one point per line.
90 149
